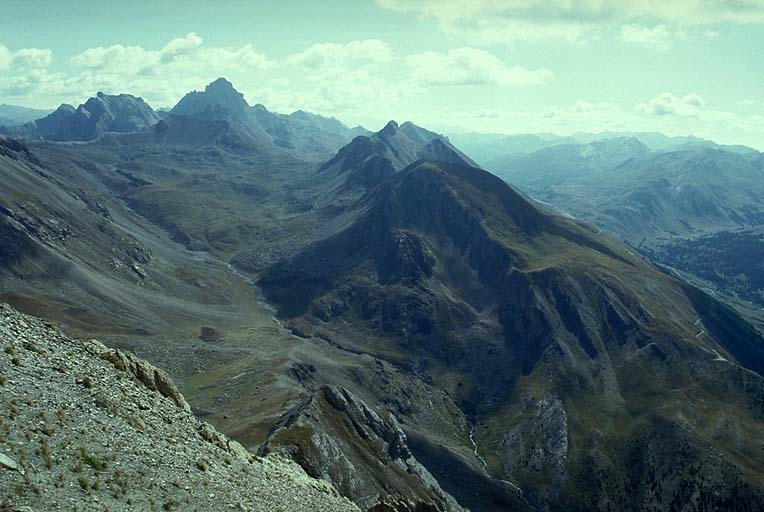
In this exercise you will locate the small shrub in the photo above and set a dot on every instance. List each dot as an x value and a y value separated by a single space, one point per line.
84 482
114 359
33 348
87 382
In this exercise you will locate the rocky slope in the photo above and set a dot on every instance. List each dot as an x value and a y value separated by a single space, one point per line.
333 435
84 427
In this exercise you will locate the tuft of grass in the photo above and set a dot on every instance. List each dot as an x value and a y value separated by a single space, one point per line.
33 348
91 460
44 451
114 359
87 382
84 482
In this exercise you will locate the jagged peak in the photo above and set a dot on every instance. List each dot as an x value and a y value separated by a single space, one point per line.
390 128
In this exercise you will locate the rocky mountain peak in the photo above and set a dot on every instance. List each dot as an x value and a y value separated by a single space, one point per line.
220 93
390 128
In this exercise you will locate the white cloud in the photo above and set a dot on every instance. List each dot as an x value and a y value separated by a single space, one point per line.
667 104
507 21
181 53
329 58
25 58
470 66
656 37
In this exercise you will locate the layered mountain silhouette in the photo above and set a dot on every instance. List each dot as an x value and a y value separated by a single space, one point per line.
644 196
494 151
221 113
217 116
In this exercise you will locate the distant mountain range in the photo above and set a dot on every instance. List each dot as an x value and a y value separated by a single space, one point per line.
12 115
219 115
643 195
494 151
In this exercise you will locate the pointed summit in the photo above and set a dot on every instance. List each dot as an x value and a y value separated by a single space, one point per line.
390 128
220 83
219 94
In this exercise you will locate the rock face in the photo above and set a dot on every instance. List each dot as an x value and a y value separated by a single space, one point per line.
333 435
219 94
101 114
83 427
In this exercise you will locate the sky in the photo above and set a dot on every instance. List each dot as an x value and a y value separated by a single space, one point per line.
680 67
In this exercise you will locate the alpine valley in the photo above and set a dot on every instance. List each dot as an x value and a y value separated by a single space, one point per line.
373 315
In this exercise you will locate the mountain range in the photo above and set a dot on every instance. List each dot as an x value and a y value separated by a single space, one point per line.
656 200
219 115
396 320
494 151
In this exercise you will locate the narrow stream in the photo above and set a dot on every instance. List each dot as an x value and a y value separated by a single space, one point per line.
485 464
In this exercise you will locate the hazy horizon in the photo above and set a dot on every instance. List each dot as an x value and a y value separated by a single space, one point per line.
512 67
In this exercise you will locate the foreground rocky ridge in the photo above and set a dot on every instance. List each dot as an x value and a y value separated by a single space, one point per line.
84 427
333 435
